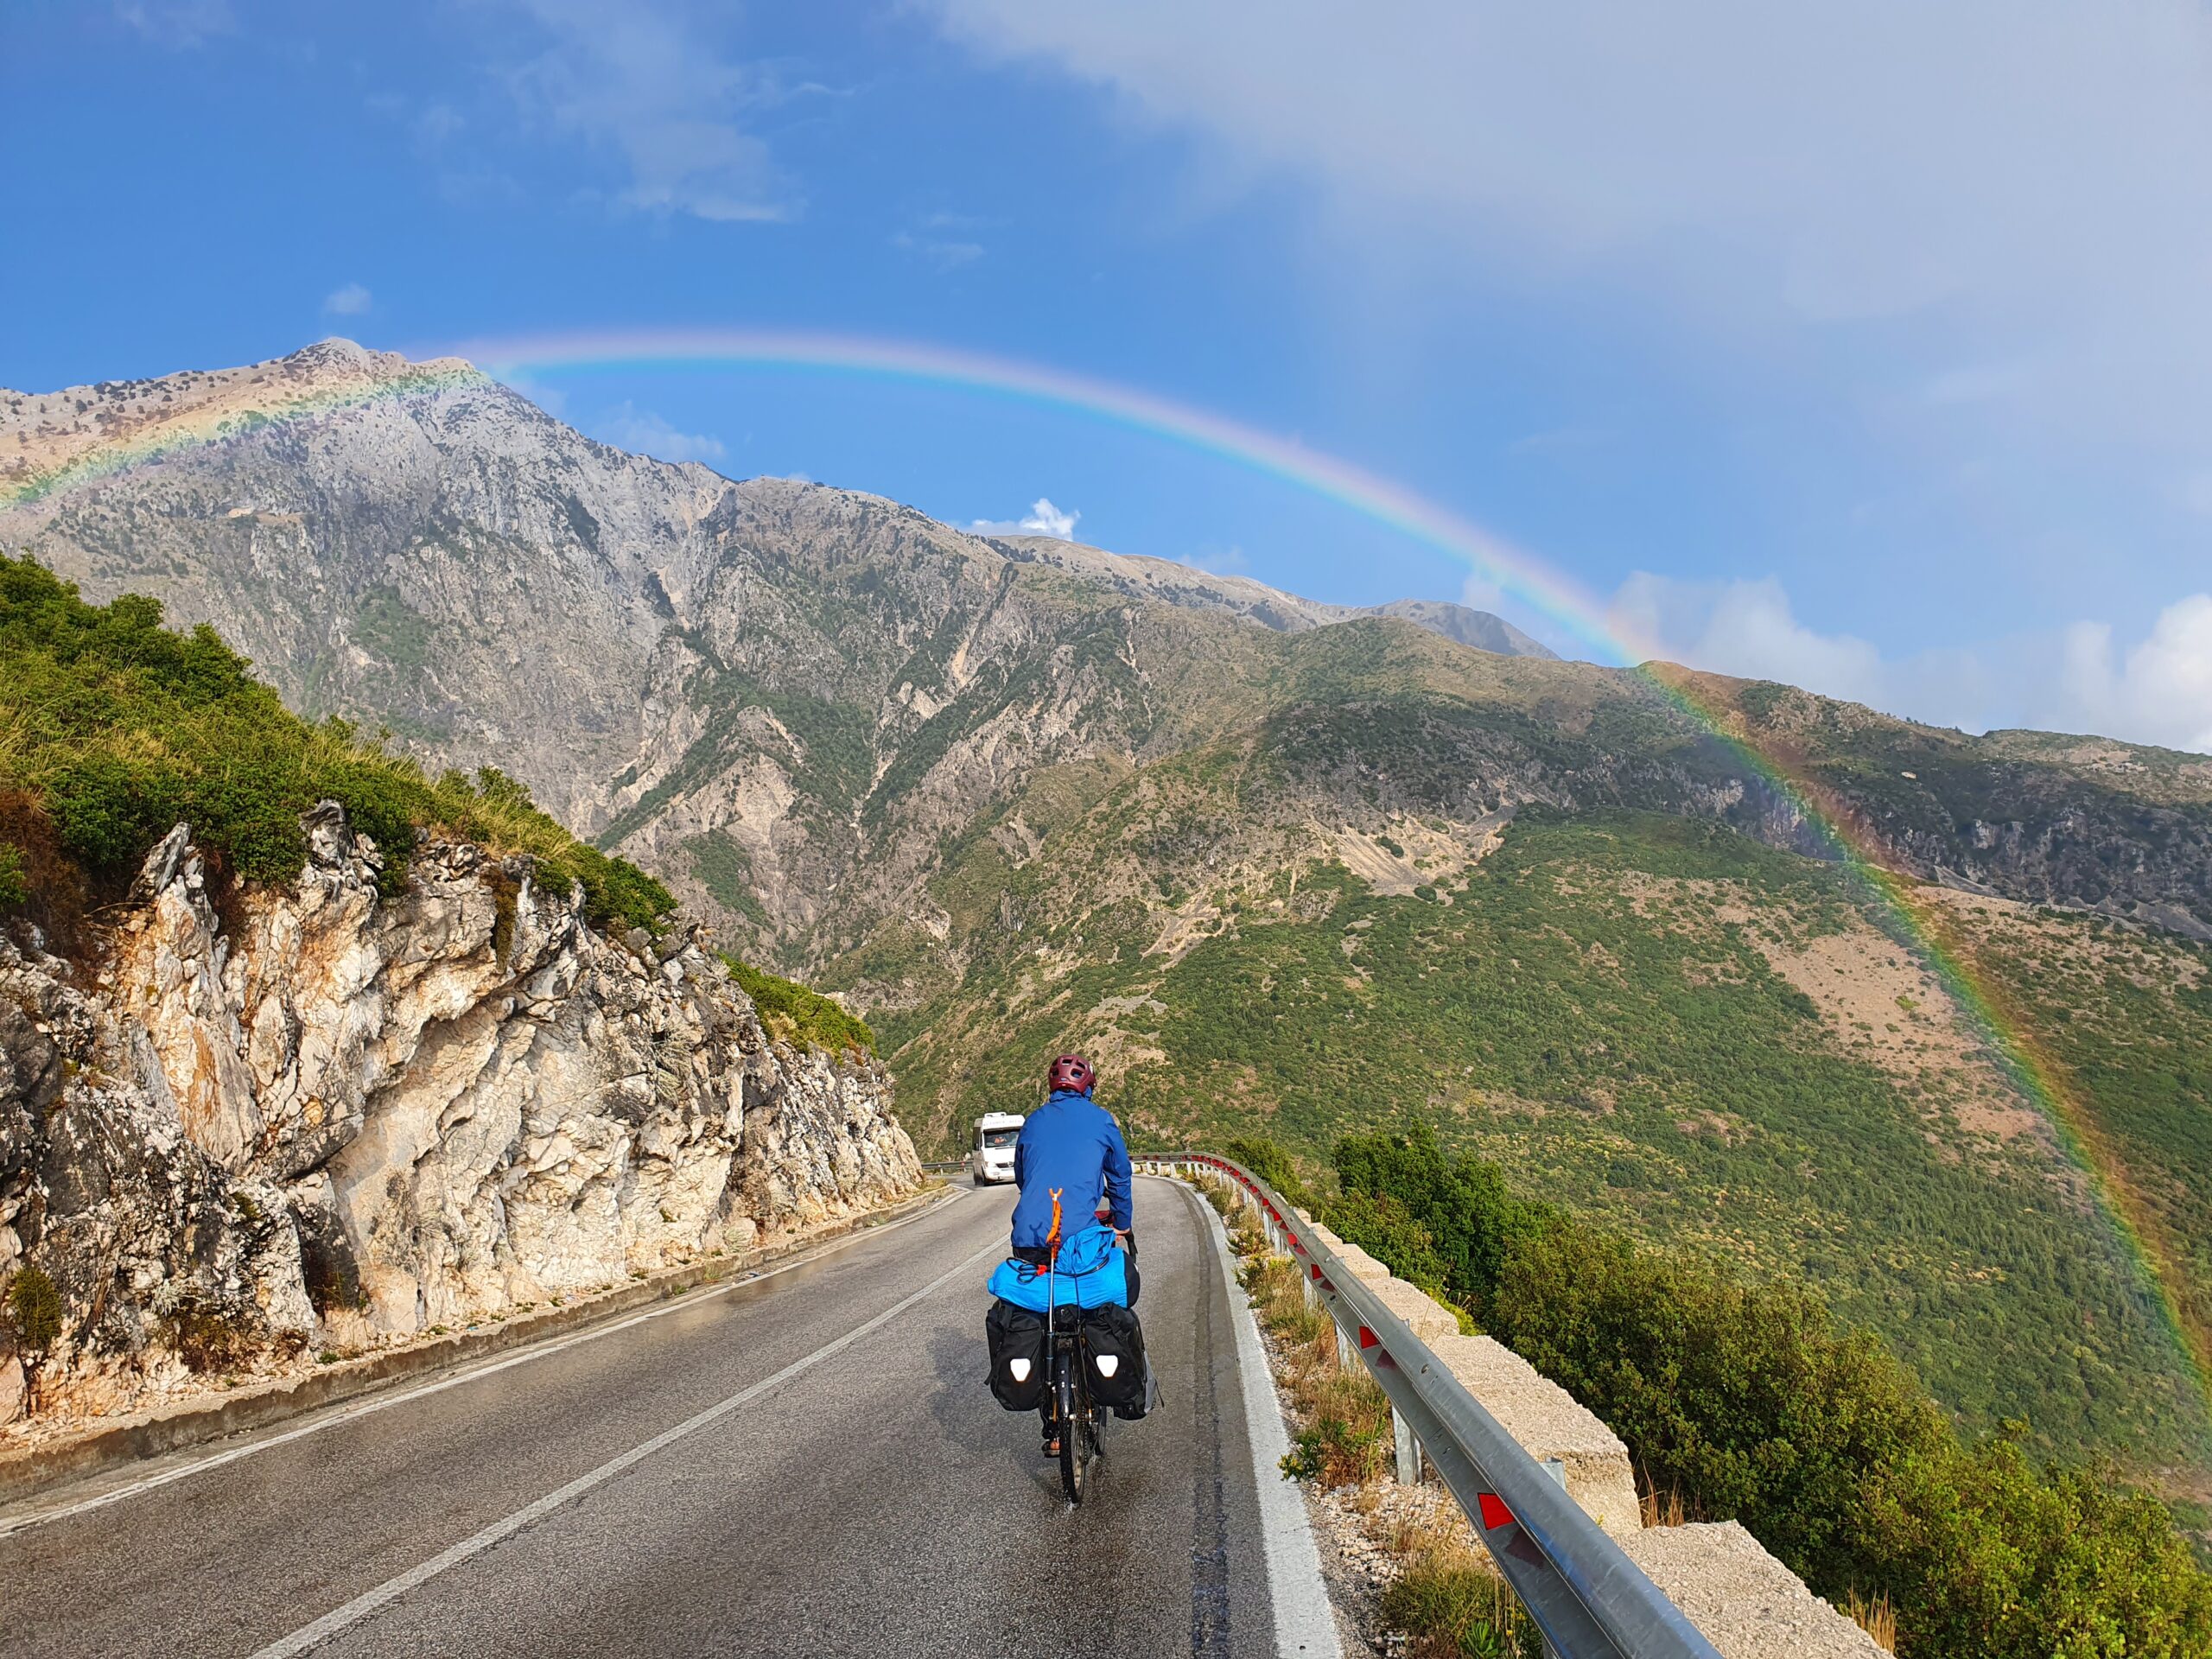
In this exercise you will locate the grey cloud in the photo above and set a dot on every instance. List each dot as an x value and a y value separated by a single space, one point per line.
2008 201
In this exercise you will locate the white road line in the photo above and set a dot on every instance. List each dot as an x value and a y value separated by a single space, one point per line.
362 1606
1305 1624
385 1402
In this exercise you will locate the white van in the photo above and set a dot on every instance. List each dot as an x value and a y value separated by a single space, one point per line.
996 1134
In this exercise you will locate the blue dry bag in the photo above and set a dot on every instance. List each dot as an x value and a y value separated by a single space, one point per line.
1089 1272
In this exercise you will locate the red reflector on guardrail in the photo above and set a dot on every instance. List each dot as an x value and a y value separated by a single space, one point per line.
1495 1514
1367 1338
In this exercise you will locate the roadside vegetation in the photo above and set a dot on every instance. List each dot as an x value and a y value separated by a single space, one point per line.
1445 1596
1746 1399
114 728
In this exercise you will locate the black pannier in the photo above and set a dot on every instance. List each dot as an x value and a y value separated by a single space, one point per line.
1016 1333
1113 1335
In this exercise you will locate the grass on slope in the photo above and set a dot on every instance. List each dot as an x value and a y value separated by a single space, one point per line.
1591 1008
794 1012
114 728
2127 1014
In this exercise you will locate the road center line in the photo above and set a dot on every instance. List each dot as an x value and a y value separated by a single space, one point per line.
384 1402
370 1602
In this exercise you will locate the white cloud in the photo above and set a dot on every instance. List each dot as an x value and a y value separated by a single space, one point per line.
1479 593
2163 686
939 254
178 22
627 427
1744 629
1214 561
649 85
1992 219
436 125
2158 690
350 300
1044 519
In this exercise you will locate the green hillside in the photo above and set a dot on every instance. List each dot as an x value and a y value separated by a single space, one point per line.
1606 1005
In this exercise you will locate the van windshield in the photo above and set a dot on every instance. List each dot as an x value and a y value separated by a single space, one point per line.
1000 1139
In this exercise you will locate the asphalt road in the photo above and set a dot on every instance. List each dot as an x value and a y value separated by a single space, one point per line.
808 1464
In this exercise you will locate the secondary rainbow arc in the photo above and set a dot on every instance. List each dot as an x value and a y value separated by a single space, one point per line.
1552 593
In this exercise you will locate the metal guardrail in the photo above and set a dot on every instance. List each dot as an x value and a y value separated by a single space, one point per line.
1587 1598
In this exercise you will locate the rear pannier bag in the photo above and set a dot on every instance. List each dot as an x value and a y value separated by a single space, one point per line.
1113 1345
1015 1335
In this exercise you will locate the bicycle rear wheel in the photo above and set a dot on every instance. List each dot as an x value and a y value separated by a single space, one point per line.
1075 1433
1074 1463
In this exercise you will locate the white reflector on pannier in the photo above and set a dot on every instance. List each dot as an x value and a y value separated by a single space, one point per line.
1107 1364
1020 1368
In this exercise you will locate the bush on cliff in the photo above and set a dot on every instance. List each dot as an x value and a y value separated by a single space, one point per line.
1749 1400
114 727
794 1012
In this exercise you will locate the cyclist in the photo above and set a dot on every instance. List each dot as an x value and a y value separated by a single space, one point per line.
1070 1163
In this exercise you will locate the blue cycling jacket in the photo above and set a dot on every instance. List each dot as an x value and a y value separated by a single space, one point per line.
1072 1143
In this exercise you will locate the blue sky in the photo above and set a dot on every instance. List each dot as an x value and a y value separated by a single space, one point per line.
1863 345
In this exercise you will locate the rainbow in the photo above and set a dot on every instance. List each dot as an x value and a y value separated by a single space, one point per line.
1579 614
235 410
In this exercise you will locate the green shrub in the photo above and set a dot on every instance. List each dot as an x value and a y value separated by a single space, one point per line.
2013 1559
1451 1604
797 1014
1380 1224
108 810
1272 1165
119 728
1335 1452
1473 1221
1751 1401
1746 1398
33 1310
15 882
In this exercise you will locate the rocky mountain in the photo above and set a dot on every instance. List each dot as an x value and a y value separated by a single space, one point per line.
1138 577
1276 863
776 692
317 1121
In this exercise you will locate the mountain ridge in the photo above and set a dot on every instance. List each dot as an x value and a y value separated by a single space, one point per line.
368 556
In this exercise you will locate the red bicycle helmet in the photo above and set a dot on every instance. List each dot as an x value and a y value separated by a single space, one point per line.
1072 1071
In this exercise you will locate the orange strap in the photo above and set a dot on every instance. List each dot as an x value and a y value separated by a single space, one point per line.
1053 1242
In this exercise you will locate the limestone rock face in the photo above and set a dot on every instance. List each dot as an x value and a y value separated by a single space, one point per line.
323 1118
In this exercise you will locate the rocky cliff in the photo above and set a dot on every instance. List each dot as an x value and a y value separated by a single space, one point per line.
309 1119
